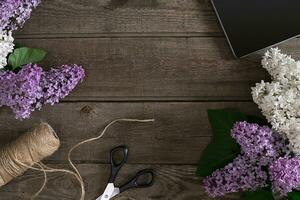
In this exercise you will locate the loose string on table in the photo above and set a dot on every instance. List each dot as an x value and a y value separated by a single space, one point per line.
32 147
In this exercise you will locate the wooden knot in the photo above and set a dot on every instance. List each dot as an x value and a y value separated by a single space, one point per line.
87 111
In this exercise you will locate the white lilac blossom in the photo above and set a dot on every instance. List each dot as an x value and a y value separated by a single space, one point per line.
6 47
279 100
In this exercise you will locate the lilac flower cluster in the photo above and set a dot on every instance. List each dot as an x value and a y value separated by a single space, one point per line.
58 82
31 87
259 143
14 13
19 91
259 147
285 175
241 174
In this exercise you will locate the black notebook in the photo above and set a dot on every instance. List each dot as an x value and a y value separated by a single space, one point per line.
251 25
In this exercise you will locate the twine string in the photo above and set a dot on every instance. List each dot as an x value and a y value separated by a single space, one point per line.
29 149
44 182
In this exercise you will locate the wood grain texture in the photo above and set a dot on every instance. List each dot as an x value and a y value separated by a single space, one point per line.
172 182
158 68
162 59
122 17
155 68
178 136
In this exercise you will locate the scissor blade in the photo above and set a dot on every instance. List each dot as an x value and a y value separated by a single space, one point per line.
109 190
116 192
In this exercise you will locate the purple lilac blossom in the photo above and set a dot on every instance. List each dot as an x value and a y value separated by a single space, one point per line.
31 87
285 175
259 143
14 13
259 147
240 175
58 82
18 91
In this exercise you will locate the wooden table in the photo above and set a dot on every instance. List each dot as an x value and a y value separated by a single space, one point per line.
162 59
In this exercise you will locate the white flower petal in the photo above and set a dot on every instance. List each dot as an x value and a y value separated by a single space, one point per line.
6 46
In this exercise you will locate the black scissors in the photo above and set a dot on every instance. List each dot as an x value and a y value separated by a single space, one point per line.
111 190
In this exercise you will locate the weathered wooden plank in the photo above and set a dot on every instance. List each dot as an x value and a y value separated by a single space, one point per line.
176 182
129 17
178 136
155 68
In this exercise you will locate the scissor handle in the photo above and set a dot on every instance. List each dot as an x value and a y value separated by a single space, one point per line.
134 182
116 166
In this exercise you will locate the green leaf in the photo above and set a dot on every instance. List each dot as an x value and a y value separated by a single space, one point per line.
262 194
25 55
215 156
18 45
295 195
223 148
257 120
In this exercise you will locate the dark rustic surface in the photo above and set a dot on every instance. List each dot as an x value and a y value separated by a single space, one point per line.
162 59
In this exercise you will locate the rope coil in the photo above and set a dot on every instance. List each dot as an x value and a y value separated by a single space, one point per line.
34 146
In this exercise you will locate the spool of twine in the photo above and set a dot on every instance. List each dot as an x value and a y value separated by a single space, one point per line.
32 147
29 149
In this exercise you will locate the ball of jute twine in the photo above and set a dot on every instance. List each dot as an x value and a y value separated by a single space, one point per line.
32 147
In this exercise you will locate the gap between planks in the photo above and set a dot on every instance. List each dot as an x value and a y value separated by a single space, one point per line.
119 35
160 99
